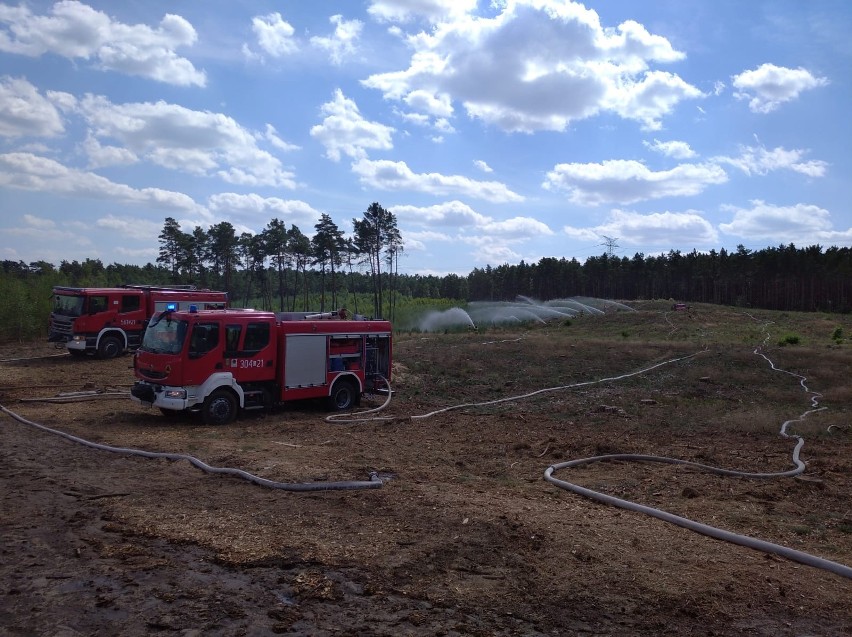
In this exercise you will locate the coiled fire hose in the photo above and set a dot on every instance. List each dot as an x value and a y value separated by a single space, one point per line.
720 534
704 529
373 483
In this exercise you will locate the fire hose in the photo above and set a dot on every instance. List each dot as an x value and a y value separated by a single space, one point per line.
373 483
720 534
358 417
704 529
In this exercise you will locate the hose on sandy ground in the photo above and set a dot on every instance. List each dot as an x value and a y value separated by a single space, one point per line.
77 397
373 483
742 540
362 416
704 529
710 531
31 358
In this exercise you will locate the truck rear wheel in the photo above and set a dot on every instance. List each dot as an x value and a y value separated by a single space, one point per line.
219 408
109 347
344 395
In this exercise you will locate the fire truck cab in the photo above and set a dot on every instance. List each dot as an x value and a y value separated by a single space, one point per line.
220 361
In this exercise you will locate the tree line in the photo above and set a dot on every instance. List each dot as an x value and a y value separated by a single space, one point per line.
775 278
281 268
276 261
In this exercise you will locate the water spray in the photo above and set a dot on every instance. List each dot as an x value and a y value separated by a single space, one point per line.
522 310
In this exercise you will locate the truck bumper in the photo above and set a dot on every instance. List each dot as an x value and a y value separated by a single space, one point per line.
76 344
164 397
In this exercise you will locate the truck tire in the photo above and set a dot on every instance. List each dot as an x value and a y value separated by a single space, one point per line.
109 347
344 395
219 408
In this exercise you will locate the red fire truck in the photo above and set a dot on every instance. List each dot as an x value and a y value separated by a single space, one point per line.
218 362
109 321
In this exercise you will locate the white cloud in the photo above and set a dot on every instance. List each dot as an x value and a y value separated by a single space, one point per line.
768 86
198 142
517 228
450 214
495 253
26 171
39 222
417 119
428 102
427 235
80 33
757 160
491 238
100 155
663 229
627 181
131 227
342 43
273 138
539 65
430 10
256 211
46 232
801 224
459 215
650 98
345 131
274 35
24 112
483 166
674 149
397 176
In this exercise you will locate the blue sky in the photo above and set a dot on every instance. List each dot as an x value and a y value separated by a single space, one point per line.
495 131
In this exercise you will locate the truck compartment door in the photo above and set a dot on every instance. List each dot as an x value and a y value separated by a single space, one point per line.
305 360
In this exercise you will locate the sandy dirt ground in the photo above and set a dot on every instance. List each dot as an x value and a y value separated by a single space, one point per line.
464 537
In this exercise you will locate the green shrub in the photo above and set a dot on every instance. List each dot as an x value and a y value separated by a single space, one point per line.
789 339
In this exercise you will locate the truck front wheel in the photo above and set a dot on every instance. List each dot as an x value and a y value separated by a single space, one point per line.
220 408
344 395
109 347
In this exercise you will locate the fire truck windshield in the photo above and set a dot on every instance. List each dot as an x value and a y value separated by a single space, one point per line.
165 336
68 305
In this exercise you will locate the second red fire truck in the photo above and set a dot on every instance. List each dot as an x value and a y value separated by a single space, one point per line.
109 321
219 362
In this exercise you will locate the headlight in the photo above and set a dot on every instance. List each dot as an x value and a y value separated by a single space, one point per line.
175 393
79 337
